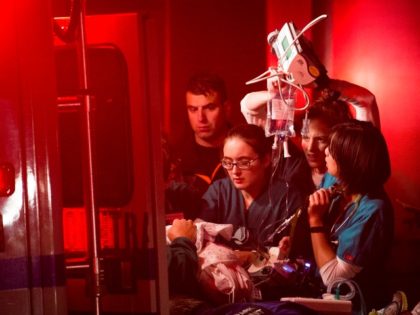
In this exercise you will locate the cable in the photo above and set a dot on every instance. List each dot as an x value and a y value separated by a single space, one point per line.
354 288
262 77
278 74
282 226
338 283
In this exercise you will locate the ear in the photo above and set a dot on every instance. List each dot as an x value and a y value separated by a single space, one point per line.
266 160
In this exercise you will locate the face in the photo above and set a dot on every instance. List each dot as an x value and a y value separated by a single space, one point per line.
207 117
315 143
331 163
251 179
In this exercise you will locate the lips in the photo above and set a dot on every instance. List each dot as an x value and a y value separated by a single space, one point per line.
312 158
203 129
238 180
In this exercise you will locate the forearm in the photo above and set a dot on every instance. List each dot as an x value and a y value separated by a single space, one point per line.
253 107
361 99
182 266
319 202
322 249
182 257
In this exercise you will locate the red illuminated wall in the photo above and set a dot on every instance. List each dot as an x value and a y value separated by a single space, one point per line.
376 44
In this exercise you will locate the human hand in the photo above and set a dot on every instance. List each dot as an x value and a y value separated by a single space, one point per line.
245 257
273 82
416 309
284 247
182 228
361 99
318 206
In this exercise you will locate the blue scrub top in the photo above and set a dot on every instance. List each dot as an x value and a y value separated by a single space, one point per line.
223 203
363 236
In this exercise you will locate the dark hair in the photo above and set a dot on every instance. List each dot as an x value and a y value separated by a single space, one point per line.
362 156
329 109
205 83
254 136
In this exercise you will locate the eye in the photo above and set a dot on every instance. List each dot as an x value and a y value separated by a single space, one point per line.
191 109
211 106
227 163
243 162
323 140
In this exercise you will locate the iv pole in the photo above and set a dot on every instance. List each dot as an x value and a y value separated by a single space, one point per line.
89 188
77 27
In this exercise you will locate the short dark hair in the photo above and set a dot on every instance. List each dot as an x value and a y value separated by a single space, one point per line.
254 136
205 83
361 154
329 109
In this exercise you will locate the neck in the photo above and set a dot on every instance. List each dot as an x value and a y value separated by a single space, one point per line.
209 143
317 175
213 142
350 197
319 170
253 192
248 198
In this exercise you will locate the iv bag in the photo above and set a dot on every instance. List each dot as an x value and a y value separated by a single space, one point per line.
280 115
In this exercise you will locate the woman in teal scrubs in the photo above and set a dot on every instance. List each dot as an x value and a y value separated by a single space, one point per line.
351 223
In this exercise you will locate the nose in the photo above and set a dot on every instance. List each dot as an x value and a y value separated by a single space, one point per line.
235 169
311 145
201 115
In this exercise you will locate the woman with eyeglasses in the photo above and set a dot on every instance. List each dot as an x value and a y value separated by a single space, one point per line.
253 198
352 232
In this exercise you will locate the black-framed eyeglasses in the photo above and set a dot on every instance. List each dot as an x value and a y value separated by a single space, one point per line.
243 163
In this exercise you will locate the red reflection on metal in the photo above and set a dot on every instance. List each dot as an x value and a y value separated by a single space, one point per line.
75 230
7 179
74 226
107 227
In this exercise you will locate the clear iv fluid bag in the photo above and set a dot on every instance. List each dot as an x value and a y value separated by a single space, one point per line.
280 115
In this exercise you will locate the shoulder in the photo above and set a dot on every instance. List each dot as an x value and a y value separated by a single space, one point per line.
377 210
222 185
186 146
327 181
375 202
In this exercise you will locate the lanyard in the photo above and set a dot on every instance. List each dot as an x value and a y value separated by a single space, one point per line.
355 204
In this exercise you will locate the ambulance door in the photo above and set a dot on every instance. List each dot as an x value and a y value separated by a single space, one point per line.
31 245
